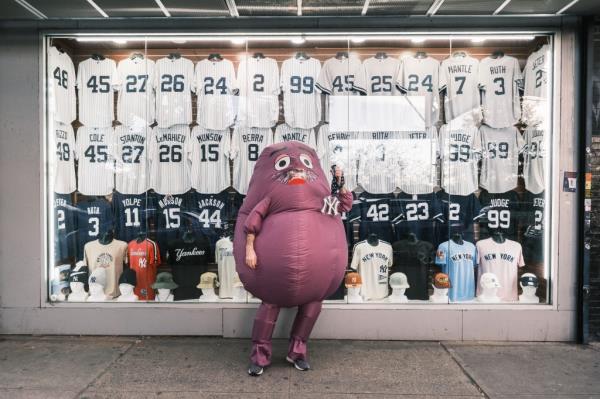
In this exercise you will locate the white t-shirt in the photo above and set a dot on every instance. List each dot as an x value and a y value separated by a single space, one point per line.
226 264
503 260
373 263
500 80
500 158
460 150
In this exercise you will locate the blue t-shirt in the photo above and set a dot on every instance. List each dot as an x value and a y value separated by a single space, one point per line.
459 263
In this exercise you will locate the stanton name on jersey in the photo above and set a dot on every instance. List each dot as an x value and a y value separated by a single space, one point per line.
132 138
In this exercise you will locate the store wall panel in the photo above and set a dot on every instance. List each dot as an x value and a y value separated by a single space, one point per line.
20 210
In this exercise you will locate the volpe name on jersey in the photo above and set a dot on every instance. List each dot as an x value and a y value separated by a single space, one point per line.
127 202
170 137
503 256
253 138
132 138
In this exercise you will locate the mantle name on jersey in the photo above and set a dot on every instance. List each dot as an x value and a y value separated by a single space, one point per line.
167 201
210 202
372 255
180 252
202 137
61 134
294 137
461 256
253 138
459 68
338 136
499 202
503 256
496 70
132 138
170 137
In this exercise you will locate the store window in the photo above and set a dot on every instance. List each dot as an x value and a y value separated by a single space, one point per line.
443 139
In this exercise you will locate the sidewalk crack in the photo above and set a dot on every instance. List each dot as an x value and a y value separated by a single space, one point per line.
465 372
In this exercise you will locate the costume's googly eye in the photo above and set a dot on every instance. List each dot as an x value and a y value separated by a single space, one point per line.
306 161
282 162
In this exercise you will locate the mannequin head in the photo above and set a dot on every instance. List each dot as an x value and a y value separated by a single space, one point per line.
77 287
489 286
529 283
353 282
439 291
164 292
126 289
399 282
96 290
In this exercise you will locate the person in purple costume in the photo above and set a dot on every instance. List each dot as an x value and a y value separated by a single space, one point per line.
290 246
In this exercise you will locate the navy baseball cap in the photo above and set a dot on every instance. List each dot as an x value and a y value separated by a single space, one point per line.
529 280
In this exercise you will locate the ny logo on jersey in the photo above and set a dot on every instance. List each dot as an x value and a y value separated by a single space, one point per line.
142 263
330 206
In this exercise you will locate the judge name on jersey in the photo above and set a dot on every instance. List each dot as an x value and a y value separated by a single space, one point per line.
253 138
460 68
169 201
502 256
202 137
498 69
182 253
374 255
132 138
462 137
171 137
500 202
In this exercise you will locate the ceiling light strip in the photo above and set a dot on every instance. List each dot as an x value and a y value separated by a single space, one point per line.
163 8
565 8
101 11
365 7
233 11
299 8
31 9
434 7
501 7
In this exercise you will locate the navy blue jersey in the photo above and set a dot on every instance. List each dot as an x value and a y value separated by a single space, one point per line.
419 214
376 216
170 219
210 214
500 212
532 212
133 214
459 214
65 227
94 218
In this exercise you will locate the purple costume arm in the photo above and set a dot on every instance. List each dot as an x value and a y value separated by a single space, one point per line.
345 199
254 220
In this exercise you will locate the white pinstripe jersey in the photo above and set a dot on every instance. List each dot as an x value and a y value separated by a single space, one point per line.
460 150
341 149
500 79
417 155
458 78
61 86
537 72
215 86
95 155
534 160
284 132
301 101
246 146
378 162
95 81
174 83
342 76
420 77
63 158
500 158
259 89
135 79
210 160
381 76
131 154
168 152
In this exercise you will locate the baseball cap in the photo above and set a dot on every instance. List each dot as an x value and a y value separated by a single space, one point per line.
80 274
529 280
399 280
164 280
489 280
128 277
98 276
236 281
441 280
353 280
208 280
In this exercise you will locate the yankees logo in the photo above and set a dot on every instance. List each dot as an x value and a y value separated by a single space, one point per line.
142 263
330 206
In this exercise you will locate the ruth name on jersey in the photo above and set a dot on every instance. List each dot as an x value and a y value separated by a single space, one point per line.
498 69
171 137
180 253
93 210
460 68
132 138
503 256
202 137
253 138
461 256
168 201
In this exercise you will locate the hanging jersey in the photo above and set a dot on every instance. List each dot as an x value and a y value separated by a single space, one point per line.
418 152
301 101
169 156
460 151
174 83
376 216
246 146
380 74
171 220
537 73
226 264
500 212
62 161
96 162
96 80
500 158
534 155
209 213
132 159
500 80
533 212
210 172
285 132
420 77
65 227
378 163
135 83
94 218
503 260
61 86
458 82
373 264
342 77
215 86
259 90
341 149
459 214
458 261
144 258
418 215
133 214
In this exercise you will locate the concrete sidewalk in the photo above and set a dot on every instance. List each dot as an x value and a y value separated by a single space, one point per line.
129 367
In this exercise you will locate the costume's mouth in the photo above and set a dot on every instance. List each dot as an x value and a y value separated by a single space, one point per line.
296 177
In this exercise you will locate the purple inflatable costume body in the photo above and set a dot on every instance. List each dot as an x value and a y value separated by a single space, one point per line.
300 243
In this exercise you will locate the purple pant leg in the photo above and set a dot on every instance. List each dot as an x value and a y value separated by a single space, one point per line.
303 324
262 334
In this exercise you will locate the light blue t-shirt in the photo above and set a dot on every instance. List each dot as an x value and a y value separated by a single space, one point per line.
459 263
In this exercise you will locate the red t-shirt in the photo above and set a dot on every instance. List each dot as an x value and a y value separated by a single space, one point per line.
144 257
